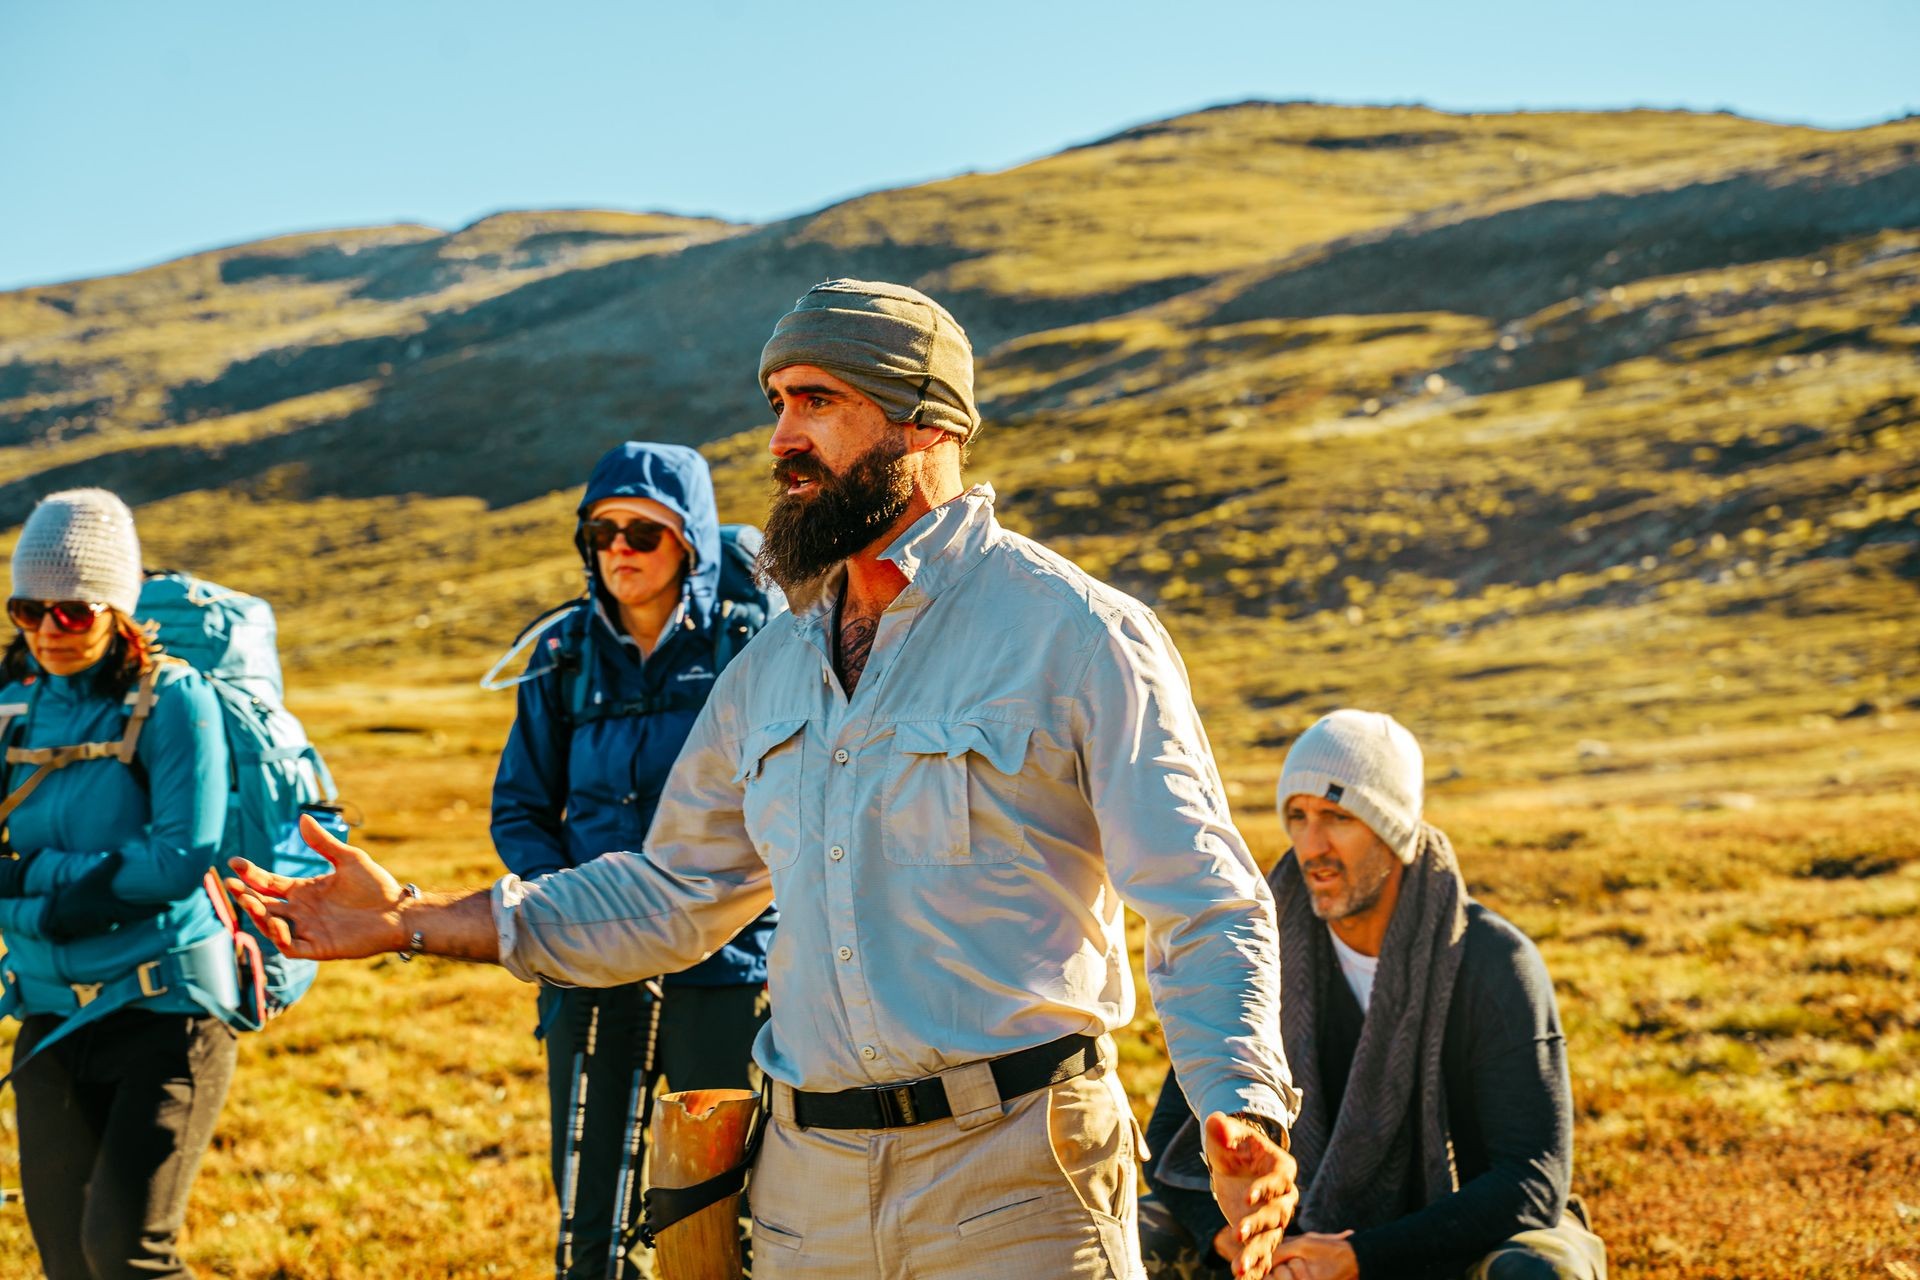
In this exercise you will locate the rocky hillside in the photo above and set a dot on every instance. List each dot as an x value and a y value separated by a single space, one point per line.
1569 415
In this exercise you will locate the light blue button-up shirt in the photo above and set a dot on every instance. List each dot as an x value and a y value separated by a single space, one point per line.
952 845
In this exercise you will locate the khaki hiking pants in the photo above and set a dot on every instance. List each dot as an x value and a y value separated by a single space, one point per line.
1041 1186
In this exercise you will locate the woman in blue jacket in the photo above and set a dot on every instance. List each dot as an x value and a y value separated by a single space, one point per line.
101 902
610 694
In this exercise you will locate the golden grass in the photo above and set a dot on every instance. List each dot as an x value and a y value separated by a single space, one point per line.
1734 973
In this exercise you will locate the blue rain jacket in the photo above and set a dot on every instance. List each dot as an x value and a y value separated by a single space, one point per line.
168 830
565 794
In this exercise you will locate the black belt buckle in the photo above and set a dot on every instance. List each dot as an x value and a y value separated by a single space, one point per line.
895 1103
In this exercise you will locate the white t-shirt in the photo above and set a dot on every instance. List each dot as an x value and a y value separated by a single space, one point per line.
1356 968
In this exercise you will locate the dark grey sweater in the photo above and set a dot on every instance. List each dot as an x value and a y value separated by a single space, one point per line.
1509 1110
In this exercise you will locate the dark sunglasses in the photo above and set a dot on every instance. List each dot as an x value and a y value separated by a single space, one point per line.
641 535
74 617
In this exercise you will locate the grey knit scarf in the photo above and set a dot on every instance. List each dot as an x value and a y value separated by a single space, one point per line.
1354 1166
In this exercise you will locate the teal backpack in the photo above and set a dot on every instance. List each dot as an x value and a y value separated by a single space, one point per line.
231 639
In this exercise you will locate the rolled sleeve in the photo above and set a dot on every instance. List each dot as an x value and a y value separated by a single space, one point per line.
1212 949
626 916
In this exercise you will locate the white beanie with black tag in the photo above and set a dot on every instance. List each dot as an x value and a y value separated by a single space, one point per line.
79 544
1367 763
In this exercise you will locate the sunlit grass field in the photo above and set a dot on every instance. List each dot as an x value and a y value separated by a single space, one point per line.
1587 444
1733 967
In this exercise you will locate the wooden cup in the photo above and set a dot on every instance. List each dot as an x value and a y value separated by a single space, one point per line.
696 1135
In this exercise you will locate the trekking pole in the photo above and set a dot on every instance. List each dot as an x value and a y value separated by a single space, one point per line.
576 1132
639 1108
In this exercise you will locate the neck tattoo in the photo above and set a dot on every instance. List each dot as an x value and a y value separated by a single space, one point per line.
856 642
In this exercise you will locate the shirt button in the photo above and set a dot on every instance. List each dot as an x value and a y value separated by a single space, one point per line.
868 1052
840 756
846 953
836 853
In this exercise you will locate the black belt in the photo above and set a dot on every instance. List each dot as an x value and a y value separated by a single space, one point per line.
893 1106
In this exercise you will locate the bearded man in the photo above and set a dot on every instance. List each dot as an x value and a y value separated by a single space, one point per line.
951 762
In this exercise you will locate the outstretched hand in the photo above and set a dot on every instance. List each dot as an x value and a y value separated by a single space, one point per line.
1253 1182
354 911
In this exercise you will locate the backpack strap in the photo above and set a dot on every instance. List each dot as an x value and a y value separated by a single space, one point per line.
651 705
142 698
736 624
51 759
10 714
572 660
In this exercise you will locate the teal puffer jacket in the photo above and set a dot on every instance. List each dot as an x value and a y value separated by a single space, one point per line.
167 828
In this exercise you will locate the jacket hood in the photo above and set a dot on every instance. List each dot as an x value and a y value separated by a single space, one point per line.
677 478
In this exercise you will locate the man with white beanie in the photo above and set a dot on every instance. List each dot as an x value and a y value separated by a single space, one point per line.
1436 1136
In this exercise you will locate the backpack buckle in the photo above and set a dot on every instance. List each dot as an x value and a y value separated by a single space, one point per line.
86 992
149 979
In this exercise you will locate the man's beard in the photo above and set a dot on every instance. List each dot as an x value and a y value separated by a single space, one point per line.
807 534
1361 889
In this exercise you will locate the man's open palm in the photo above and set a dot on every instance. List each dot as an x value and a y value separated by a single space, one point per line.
354 911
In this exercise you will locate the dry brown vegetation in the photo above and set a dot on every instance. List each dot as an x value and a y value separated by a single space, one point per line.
1586 444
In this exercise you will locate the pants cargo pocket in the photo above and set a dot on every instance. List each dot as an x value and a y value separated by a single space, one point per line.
1002 1216
1090 1129
768 1233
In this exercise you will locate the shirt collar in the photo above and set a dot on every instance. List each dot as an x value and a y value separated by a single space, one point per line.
941 546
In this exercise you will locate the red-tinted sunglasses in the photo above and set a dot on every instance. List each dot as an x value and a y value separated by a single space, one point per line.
641 535
71 616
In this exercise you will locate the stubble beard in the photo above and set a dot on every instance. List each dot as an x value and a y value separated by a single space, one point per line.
845 512
1361 890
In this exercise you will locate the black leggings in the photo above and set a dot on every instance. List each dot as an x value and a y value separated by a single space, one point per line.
705 1042
113 1122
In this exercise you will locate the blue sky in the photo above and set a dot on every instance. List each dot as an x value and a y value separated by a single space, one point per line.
136 130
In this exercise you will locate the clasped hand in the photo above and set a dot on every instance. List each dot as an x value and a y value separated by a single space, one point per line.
1253 1182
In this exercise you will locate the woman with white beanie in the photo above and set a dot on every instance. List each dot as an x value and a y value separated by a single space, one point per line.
101 862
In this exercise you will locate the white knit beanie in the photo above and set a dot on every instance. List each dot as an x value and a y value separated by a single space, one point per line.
1368 764
79 545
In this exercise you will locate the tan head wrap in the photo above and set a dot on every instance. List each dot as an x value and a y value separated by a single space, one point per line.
894 345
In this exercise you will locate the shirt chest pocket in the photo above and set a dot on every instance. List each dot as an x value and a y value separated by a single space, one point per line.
952 793
769 775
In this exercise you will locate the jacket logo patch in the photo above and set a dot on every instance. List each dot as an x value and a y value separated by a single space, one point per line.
695 672
1335 791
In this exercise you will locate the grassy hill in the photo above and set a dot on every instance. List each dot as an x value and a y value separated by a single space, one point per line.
1587 443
